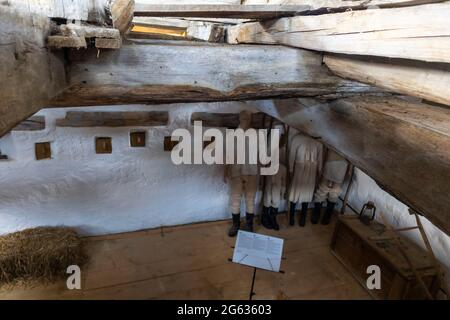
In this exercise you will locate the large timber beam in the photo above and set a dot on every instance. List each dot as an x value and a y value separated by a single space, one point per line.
429 81
115 13
165 73
218 11
29 75
403 145
342 5
418 32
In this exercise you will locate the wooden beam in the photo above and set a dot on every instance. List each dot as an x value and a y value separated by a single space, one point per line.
165 73
34 123
226 120
403 145
114 119
218 11
103 43
341 5
177 29
117 13
429 81
30 74
66 42
122 14
418 32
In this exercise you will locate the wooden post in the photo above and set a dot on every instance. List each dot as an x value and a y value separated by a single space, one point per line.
347 192
439 270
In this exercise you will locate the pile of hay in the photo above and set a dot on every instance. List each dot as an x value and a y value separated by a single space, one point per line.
42 253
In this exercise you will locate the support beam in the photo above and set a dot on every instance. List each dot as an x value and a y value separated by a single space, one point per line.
122 14
226 120
429 81
165 73
79 119
176 29
218 11
418 32
34 123
404 146
117 13
342 5
30 75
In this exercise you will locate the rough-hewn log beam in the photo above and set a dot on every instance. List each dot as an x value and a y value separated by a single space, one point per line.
418 32
29 74
177 29
429 81
117 13
218 11
34 123
164 73
79 119
404 146
341 5
227 120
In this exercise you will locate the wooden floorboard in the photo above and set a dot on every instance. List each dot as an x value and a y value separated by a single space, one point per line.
191 262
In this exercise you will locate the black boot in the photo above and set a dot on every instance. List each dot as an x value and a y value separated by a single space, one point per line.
302 220
273 218
292 213
316 212
328 213
265 218
235 226
249 222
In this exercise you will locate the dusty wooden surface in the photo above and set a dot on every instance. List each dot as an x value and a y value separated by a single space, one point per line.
122 14
430 81
334 5
113 119
225 120
167 72
29 74
218 11
33 123
191 262
417 32
403 145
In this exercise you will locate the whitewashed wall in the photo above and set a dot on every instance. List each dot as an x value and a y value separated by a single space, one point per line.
365 189
130 189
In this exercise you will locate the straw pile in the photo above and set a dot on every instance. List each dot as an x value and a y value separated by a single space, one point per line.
42 253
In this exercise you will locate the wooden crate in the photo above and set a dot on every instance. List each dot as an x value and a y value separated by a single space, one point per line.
358 246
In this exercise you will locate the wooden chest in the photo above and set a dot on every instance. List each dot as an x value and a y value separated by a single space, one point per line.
358 246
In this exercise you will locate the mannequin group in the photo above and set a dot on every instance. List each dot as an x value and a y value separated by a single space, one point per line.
305 169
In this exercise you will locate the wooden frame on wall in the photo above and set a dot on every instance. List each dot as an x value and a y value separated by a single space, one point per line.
42 150
103 145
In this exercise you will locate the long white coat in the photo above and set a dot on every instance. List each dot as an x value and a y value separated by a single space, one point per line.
305 161
275 188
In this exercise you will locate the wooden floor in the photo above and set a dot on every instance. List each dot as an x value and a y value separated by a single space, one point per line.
191 262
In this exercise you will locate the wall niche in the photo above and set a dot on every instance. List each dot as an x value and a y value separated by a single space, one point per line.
169 144
103 145
137 139
42 150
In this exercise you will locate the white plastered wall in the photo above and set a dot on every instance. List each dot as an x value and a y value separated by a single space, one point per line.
130 189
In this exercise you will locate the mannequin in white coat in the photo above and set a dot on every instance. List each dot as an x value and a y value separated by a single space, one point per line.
275 188
305 162
243 179
334 173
